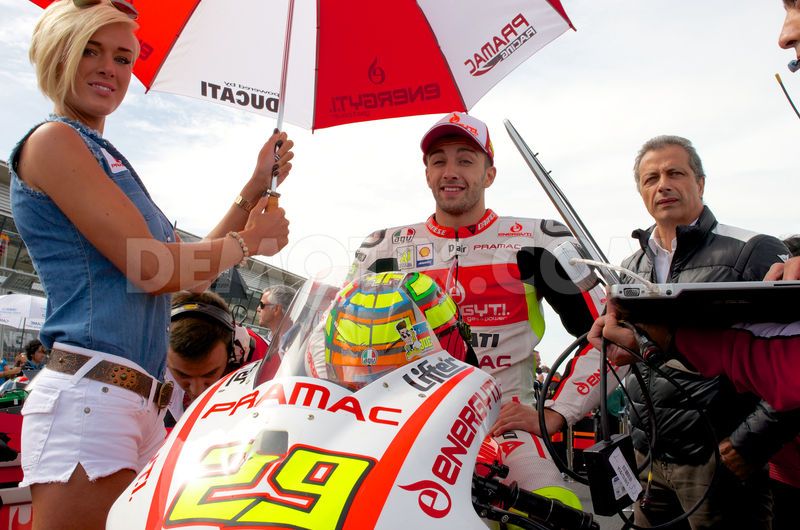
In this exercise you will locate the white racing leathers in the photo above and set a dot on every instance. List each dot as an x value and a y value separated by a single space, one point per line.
498 271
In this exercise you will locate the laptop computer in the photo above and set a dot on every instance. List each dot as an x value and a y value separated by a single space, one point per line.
708 304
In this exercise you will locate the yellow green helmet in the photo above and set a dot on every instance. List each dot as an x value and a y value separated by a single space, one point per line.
382 321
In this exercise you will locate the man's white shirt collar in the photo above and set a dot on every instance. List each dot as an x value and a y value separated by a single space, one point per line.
663 257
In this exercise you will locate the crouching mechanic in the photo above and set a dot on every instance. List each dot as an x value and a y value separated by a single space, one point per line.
498 270
205 344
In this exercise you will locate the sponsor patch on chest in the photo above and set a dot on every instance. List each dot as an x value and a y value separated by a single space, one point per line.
424 255
405 257
453 249
404 235
515 228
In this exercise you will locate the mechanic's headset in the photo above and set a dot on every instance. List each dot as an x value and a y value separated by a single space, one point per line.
208 312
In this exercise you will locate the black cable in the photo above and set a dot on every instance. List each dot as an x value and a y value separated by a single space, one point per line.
649 404
652 440
653 427
545 435
689 400
604 425
651 409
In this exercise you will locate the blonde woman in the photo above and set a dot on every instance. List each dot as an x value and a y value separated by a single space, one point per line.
108 259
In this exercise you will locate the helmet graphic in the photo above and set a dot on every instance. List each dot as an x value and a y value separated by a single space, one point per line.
382 321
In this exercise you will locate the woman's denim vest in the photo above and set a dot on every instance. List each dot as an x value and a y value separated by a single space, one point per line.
90 303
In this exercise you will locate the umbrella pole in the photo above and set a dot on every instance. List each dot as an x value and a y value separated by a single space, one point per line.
272 202
287 40
22 334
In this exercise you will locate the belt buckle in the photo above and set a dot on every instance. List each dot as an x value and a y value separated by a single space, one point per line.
164 394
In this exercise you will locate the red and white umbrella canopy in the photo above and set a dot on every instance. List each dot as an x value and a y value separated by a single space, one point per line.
349 60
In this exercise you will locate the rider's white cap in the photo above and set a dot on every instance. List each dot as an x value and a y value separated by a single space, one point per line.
459 124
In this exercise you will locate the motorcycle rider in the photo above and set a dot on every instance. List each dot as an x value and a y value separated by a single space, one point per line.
497 269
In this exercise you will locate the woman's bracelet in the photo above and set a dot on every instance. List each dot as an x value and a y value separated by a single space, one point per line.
243 203
246 205
245 251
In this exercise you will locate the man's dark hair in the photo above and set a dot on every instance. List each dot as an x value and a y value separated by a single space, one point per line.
666 140
193 335
31 348
793 244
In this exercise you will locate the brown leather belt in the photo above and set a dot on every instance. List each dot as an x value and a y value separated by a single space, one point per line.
113 374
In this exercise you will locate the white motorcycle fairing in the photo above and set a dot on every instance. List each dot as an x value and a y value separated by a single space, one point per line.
300 452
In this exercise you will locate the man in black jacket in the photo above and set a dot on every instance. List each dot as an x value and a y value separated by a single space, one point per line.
687 244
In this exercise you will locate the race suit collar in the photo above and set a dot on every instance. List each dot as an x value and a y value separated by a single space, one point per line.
449 232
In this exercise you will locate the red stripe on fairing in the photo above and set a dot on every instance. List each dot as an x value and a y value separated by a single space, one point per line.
569 374
403 72
371 497
368 502
587 296
158 507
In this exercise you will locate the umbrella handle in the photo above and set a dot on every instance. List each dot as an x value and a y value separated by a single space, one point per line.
273 186
272 200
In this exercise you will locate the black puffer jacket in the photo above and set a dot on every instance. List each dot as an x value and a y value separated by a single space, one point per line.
706 252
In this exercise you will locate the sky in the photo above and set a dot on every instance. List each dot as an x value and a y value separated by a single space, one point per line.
634 69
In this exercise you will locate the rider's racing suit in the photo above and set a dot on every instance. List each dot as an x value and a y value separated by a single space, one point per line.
497 271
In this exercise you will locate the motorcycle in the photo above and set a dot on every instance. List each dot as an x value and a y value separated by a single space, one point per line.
13 393
359 444
15 502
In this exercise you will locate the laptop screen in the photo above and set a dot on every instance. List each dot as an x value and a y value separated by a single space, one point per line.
709 304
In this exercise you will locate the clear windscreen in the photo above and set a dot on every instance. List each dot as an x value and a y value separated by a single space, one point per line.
354 331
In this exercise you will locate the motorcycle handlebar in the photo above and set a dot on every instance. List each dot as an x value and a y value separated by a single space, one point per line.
551 512
557 513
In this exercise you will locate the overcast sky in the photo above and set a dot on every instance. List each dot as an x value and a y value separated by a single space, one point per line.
703 69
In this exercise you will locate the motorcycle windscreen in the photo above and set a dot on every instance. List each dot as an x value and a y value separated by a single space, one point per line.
352 335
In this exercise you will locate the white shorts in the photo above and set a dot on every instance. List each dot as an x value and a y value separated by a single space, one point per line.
70 420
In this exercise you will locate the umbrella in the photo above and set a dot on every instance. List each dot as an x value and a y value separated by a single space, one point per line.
22 311
330 62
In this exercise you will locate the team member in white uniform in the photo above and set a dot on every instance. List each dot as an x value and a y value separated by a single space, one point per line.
497 269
